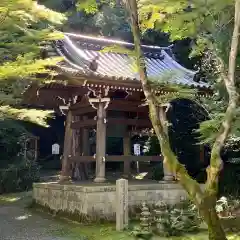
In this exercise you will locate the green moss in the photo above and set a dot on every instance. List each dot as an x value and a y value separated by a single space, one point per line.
94 232
11 198
134 214
74 216
97 228
231 224
107 232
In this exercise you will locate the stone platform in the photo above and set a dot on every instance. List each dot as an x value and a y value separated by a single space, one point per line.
99 200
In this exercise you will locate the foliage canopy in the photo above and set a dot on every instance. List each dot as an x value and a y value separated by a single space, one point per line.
25 28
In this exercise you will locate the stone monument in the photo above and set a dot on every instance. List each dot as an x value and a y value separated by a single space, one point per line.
121 204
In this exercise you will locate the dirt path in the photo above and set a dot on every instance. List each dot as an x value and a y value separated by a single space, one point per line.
19 223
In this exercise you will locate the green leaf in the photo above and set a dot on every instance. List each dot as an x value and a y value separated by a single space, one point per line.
32 115
89 6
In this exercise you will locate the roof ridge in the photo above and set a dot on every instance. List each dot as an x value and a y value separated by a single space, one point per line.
78 60
113 41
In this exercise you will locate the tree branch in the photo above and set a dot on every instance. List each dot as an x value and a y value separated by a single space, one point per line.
216 163
2 19
234 46
190 185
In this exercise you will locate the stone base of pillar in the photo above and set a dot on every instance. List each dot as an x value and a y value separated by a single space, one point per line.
168 179
168 176
64 179
99 180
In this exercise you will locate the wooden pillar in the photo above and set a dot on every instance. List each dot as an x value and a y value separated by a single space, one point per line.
126 152
85 140
74 142
75 151
100 143
67 149
168 176
85 151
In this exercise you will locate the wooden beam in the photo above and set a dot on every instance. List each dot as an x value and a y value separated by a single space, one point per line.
83 110
117 158
113 121
74 159
133 158
115 104
83 123
80 105
130 122
127 107
94 81
112 107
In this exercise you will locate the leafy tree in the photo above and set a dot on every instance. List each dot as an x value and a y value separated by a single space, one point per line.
24 30
191 19
108 18
25 27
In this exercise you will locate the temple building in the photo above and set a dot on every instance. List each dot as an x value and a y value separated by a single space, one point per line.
99 91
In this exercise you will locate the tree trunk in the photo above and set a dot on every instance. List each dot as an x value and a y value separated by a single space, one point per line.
215 229
206 200
209 214
160 124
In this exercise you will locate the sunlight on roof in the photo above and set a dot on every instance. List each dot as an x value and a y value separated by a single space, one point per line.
140 176
24 217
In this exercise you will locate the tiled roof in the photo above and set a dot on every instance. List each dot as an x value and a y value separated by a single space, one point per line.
81 51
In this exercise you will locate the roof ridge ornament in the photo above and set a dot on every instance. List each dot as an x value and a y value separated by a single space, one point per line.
93 65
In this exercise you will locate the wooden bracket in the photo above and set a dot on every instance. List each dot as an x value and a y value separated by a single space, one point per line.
94 101
62 108
166 106
67 103
99 93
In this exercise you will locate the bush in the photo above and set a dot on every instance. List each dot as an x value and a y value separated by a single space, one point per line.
10 141
226 207
176 220
18 177
168 220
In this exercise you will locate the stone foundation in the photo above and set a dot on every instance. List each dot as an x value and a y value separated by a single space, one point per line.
94 200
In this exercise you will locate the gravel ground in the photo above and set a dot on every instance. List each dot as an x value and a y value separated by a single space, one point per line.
18 223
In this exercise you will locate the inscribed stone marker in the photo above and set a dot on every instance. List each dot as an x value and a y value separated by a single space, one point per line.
121 204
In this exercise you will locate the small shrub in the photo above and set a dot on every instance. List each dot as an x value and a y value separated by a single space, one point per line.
19 176
178 219
226 207
174 220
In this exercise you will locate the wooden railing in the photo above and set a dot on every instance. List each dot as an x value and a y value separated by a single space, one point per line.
113 121
78 159
80 170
